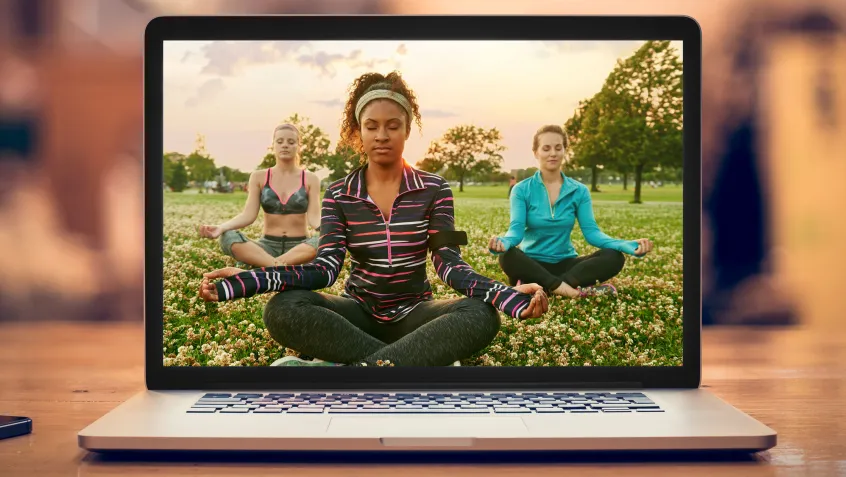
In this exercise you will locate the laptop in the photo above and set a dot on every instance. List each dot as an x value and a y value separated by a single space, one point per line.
611 368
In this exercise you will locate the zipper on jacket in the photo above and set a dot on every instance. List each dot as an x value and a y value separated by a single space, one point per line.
387 222
388 234
551 210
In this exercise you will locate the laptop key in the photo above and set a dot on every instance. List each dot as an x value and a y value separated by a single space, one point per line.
264 410
219 401
208 410
511 410
305 410
247 396
549 410
649 410
279 396
235 410
216 395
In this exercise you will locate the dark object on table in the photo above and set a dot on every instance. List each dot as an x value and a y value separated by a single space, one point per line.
12 426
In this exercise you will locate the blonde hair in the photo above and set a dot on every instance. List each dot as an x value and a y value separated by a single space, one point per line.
549 128
287 126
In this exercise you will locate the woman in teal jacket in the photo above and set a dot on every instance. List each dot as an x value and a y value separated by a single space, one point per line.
542 228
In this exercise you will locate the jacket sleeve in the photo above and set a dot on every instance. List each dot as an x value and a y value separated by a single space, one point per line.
319 273
517 227
456 273
591 232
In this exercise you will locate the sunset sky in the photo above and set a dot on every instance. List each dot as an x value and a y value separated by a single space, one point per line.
234 93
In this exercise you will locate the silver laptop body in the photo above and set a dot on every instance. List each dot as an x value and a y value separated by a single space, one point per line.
456 408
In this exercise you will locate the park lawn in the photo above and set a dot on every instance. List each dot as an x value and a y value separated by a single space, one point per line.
640 326
607 193
611 192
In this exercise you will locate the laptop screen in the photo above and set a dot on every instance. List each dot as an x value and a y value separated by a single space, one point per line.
422 203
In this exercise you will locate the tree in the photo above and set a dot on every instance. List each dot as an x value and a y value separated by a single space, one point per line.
431 164
169 161
641 103
200 167
525 173
232 175
179 178
467 148
226 172
240 176
588 147
342 161
268 161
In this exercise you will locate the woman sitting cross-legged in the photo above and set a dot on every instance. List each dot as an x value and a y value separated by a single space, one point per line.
388 215
544 209
285 238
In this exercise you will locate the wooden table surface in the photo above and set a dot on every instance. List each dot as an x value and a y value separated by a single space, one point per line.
66 375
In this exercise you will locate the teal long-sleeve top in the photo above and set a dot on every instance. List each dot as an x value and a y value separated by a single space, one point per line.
544 230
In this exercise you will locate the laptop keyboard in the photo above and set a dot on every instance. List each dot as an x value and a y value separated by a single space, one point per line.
423 403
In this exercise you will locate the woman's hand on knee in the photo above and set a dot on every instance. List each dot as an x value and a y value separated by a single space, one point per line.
496 245
208 292
644 246
539 304
210 231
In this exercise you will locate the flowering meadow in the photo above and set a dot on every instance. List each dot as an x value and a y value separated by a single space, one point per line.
642 325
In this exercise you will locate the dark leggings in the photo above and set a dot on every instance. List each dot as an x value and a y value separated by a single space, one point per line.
337 329
597 267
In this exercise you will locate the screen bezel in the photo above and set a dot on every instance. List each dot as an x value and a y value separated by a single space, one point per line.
423 27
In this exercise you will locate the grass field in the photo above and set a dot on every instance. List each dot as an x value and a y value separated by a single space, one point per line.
607 193
640 326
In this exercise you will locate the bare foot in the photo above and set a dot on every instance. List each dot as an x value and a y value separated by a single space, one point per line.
566 291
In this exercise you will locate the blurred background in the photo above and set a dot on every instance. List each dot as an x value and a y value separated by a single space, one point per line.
774 148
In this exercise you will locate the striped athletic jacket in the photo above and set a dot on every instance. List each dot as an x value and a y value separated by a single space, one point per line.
388 258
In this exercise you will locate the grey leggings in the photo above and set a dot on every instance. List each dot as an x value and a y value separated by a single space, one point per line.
339 330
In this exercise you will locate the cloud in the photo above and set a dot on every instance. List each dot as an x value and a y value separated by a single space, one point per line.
615 47
228 58
437 113
329 103
206 91
326 63
402 49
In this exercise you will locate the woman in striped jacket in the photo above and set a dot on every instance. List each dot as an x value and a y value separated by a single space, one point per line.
389 216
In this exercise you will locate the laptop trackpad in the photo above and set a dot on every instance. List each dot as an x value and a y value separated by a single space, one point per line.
426 426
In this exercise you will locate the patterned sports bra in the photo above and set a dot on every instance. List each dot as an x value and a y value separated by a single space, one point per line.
272 203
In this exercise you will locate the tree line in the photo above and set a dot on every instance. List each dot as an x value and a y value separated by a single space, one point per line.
632 126
180 170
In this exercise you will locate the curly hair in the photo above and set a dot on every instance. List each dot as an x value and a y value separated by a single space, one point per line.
366 83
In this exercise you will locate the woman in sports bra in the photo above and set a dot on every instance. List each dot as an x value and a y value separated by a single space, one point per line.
289 197
391 218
